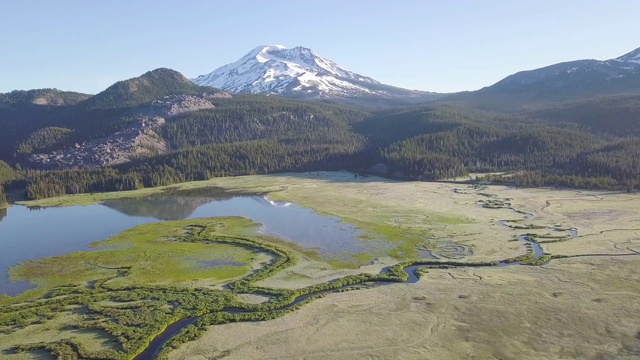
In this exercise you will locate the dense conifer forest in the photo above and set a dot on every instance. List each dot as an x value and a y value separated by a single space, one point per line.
592 143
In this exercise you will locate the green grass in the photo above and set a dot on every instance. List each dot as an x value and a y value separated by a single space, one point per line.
162 280
132 289
151 254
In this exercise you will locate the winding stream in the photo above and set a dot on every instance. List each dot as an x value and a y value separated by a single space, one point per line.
156 344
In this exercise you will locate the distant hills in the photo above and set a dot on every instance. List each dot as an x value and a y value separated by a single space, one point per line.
43 97
571 124
299 73
571 80
111 127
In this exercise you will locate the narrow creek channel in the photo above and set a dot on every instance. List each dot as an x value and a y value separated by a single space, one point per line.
151 352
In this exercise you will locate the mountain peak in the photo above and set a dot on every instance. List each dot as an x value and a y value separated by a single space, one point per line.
149 86
297 72
163 72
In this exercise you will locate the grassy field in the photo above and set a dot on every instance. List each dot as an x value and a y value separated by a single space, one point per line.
571 309
518 312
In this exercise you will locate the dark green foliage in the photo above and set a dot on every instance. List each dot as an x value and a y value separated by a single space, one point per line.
545 178
42 139
442 142
257 117
617 115
7 173
135 315
42 97
3 198
570 144
620 161
200 163
96 116
150 86
248 136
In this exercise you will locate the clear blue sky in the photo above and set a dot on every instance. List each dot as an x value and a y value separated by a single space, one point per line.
444 45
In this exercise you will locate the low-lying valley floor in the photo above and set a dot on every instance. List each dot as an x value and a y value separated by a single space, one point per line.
451 270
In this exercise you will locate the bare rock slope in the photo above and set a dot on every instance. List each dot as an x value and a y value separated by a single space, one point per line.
140 139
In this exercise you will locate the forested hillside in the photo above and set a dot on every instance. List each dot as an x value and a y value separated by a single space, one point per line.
149 86
28 127
42 97
592 143
614 115
252 117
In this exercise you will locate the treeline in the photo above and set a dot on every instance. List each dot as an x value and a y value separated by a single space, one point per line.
33 128
449 143
615 166
547 178
200 163
243 135
6 174
43 97
620 161
564 145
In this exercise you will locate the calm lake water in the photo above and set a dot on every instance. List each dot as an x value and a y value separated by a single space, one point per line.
34 233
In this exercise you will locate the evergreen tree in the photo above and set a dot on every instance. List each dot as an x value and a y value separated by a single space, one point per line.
3 198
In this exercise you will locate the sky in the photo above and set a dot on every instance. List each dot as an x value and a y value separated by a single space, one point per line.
432 45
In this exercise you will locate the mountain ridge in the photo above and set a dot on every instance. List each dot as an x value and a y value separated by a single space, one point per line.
152 85
42 97
565 81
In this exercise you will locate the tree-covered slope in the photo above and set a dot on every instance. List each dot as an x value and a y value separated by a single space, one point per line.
41 97
560 143
615 115
150 86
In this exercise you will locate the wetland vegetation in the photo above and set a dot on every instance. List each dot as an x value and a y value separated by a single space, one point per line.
145 292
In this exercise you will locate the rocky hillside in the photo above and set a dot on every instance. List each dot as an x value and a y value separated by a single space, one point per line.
140 138
150 86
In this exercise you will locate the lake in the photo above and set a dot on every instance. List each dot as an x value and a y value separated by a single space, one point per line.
28 233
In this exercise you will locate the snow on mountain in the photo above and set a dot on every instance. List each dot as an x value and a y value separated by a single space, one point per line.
632 57
298 71
576 73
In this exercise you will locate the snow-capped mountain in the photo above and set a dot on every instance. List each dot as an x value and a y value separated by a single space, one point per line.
299 72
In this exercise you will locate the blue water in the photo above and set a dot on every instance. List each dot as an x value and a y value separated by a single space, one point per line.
30 234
